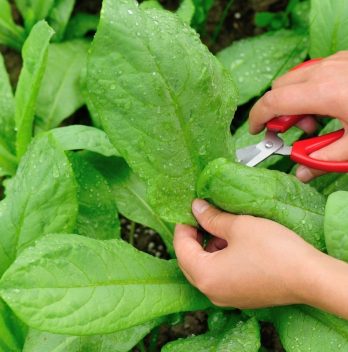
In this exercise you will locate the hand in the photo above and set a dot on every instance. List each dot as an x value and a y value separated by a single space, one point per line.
251 262
318 89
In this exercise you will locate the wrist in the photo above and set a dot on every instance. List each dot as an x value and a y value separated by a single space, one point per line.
325 284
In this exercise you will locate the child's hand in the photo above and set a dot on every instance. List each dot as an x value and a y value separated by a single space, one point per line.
252 262
318 89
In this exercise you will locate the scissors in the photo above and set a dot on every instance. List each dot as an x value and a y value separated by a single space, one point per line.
299 152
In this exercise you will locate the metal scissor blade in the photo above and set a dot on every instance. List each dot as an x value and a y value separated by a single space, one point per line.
256 153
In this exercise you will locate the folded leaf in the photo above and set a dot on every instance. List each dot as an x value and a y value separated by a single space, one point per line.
266 193
328 27
41 199
77 137
335 225
34 63
129 192
78 285
145 92
8 162
121 341
240 337
59 16
255 62
97 217
12 330
10 34
243 138
60 92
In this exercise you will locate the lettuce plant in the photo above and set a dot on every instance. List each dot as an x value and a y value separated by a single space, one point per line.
161 105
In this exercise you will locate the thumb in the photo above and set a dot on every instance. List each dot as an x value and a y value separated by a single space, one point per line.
337 151
211 219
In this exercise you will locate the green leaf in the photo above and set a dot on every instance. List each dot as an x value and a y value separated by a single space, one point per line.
300 15
266 193
255 62
10 34
97 217
77 137
335 225
41 199
202 10
328 27
80 25
186 11
240 337
165 103
60 92
77 285
34 10
121 341
130 196
34 63
12 330
59 16
8 162
302 328
150 4
244 139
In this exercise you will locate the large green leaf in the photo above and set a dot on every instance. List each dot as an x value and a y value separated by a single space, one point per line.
303 328
97 217
10 34
77 137
12 330
243 139
335 225
328 27
60 92
8 162
59 16
121 341
255 62
77 285
42 199
236 337
269 194
34 63
130 196
164 100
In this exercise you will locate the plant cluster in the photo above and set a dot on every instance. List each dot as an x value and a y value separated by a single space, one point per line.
160 106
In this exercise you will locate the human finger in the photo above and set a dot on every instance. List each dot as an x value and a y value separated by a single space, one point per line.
296 99
216 244
336 151
211 219
188 250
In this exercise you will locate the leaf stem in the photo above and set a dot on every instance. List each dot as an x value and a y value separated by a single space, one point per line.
218 28
153 340
141 346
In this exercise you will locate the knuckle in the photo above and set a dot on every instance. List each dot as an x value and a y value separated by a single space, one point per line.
270 99
213 219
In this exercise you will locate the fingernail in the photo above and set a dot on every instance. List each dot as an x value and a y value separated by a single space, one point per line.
199 206
303 173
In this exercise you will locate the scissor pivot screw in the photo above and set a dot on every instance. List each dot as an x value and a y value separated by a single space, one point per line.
268 144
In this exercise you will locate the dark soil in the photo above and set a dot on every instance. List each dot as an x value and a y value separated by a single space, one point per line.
228 21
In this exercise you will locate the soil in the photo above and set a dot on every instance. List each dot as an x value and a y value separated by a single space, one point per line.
235 20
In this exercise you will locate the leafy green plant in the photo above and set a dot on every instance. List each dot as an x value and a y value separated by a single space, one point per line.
165 103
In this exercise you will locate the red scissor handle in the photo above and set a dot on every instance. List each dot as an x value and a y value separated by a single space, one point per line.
302 149
281 124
